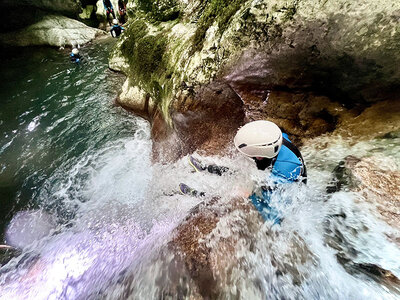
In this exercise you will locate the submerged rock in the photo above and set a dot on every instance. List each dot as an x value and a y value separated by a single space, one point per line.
213 246
52 30
378 185
28 227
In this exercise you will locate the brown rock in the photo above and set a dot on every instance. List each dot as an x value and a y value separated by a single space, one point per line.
205 120
377 120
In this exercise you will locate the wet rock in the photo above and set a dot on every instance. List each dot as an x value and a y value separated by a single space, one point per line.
380 187
204 120
307 65
211 243
375 121
376 184
52 30
132 97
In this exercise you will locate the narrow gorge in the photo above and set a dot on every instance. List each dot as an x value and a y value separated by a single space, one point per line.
92 155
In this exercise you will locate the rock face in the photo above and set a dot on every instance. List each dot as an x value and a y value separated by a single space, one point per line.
307 65
52 30
70 7
20 14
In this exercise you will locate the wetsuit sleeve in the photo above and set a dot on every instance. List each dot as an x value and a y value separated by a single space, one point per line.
262 204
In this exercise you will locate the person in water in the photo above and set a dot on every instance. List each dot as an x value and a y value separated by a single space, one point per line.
270 148
116 29
75 56
122 11
109 10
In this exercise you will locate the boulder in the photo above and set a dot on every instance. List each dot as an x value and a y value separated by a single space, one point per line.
52 30
20 14
210 246
377 184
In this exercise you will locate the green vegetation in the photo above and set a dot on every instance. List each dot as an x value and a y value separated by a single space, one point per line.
147 58
159 10
215 10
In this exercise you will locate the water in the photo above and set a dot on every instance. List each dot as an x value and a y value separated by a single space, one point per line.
51 113
82 167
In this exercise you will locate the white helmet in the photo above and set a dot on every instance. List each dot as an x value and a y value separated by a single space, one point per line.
259 139
75 51
115 22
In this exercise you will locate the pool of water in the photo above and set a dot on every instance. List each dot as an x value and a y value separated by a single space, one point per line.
51 113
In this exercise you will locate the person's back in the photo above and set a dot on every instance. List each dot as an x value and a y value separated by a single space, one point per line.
288 165
270 148
116 29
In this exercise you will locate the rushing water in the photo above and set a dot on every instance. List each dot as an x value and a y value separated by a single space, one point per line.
99 214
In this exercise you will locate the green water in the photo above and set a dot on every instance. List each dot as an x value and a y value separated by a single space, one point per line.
52 111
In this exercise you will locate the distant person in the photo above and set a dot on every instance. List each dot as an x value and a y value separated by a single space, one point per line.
116 29
75 56
122 11
109 10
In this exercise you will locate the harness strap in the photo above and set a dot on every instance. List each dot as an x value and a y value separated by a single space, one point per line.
296 152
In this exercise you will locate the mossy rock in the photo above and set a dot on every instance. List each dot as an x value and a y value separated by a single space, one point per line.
159 10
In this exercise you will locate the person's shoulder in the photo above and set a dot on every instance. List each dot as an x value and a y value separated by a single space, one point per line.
286 136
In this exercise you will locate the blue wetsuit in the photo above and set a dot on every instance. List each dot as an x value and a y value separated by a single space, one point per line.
76 58
116 30
288 167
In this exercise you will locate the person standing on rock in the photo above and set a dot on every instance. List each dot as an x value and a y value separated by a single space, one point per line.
270 148
122 11
116 29
109 10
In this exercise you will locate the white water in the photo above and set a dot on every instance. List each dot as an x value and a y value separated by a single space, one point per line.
118 212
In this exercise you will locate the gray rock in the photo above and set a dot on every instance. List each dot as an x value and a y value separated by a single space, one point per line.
52 30
343 48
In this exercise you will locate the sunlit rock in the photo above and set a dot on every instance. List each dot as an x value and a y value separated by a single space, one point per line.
20 14
101 13
52 30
